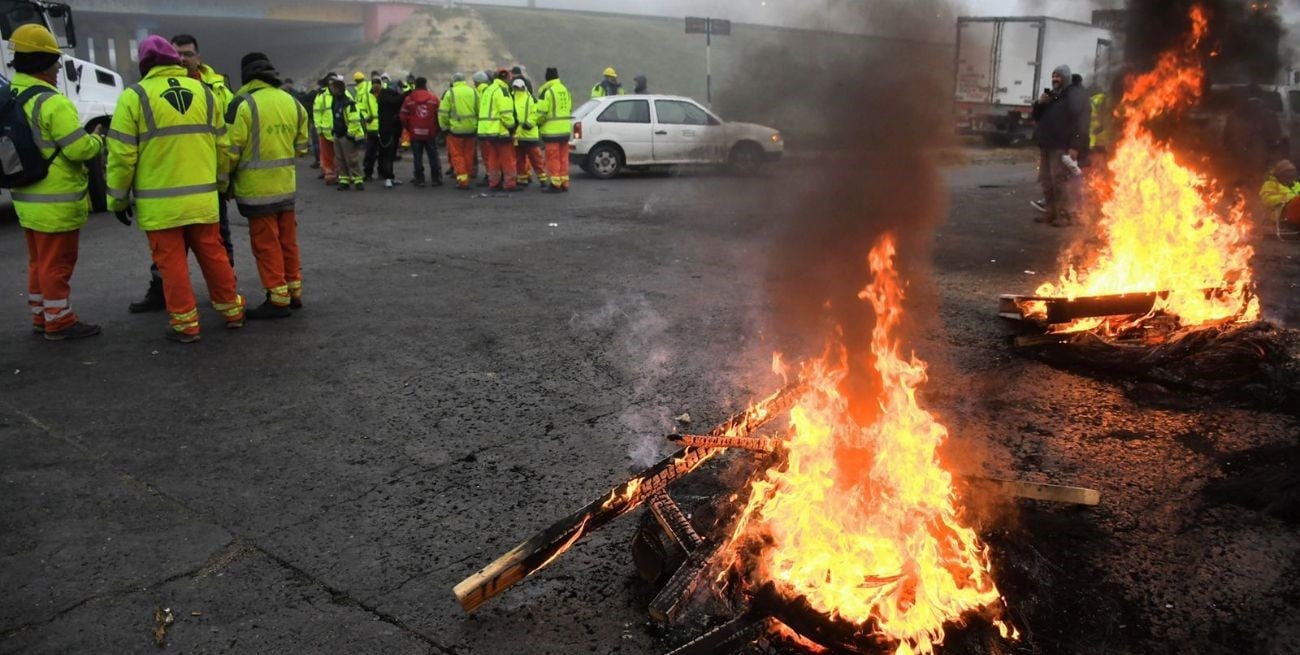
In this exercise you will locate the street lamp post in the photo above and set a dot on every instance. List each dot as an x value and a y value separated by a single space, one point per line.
708 27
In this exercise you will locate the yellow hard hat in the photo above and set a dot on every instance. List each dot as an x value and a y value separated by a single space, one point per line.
610 72
34 38
358 76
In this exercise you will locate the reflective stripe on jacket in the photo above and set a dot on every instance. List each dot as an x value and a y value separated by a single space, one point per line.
167 146
496 112
458 111
526 114
58 203
267 133
554 111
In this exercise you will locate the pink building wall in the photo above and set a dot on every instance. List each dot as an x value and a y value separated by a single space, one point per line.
380 17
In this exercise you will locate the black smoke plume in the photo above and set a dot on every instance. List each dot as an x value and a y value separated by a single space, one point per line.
1243 44
866 117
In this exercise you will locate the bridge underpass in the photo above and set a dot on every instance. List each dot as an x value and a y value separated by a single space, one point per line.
296 35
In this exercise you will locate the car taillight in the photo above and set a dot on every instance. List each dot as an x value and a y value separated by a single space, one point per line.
577 130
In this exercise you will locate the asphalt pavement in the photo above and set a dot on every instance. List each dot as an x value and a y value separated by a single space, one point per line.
470 367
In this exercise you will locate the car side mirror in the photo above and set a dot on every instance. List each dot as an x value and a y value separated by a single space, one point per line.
70 70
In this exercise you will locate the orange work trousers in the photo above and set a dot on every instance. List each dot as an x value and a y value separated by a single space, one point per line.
500 156
557 163
275 246
327 160
528 158
170 250
51 257
460 151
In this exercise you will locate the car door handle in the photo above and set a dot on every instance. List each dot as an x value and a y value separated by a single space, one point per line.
662 132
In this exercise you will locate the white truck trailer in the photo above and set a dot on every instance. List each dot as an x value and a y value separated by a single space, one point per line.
1004 63
93 89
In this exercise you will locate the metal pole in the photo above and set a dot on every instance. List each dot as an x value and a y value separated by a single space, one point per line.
708 60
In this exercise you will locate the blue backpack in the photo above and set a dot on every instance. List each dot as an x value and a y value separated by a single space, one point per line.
21 162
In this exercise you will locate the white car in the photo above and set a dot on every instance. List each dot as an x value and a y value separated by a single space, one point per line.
616 132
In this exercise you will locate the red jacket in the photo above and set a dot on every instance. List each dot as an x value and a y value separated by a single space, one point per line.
420 115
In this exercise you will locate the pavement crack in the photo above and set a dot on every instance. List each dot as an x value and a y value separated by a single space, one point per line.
228 553
233 550
342 597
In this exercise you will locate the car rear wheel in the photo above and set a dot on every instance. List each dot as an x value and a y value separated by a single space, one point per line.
746 158
604 161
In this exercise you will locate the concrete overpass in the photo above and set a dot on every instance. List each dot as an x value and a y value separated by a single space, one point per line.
292 32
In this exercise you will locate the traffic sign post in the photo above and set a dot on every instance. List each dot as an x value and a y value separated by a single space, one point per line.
708 27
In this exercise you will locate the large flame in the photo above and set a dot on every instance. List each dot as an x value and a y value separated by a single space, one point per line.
1162 227
861 520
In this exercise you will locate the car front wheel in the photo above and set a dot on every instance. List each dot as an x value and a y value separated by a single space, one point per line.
746 158
604 161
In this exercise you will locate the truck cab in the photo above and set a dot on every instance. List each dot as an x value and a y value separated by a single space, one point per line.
93 89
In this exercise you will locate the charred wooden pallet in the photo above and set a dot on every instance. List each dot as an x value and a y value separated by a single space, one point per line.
669 545
1053 310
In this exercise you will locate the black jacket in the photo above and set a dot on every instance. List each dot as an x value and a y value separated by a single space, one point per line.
390 107
1062 123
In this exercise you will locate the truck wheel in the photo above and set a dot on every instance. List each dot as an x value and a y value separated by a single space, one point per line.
98 175
604 161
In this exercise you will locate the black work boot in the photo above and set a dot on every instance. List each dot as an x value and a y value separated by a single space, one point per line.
153 300
77 330
268 310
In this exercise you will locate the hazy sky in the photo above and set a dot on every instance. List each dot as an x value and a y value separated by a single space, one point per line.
811 13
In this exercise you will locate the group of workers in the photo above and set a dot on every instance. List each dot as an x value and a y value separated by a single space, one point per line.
179 144
499 120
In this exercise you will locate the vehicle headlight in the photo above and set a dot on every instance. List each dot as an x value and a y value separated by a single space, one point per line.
776 138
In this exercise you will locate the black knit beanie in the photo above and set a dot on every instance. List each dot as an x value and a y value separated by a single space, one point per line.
34 62
257 66
552 73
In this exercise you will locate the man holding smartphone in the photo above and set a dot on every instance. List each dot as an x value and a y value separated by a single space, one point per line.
1063 116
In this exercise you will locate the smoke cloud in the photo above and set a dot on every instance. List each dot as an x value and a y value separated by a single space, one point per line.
873 115
640 352
1243 44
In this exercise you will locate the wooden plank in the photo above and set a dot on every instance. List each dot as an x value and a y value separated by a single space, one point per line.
674 521
1053 493
676 594
541 549
758 444
729 637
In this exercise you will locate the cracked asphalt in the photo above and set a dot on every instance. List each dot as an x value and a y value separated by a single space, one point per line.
468 369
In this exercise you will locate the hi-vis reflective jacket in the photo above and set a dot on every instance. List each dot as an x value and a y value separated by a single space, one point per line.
368 105
59 202
216 82
554 111
1276 195
496 112
458 111
351 115
268 130
323 113
526 115
167 147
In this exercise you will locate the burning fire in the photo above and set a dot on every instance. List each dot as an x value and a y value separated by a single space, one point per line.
1160 228
862 520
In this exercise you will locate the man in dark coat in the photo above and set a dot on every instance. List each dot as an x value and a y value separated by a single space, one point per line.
1063 117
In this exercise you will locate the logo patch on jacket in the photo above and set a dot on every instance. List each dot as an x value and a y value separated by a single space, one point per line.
179 97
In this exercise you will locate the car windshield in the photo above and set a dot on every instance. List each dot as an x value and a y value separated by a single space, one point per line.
585 108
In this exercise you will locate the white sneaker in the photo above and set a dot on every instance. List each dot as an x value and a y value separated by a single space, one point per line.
388 184
1040 205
